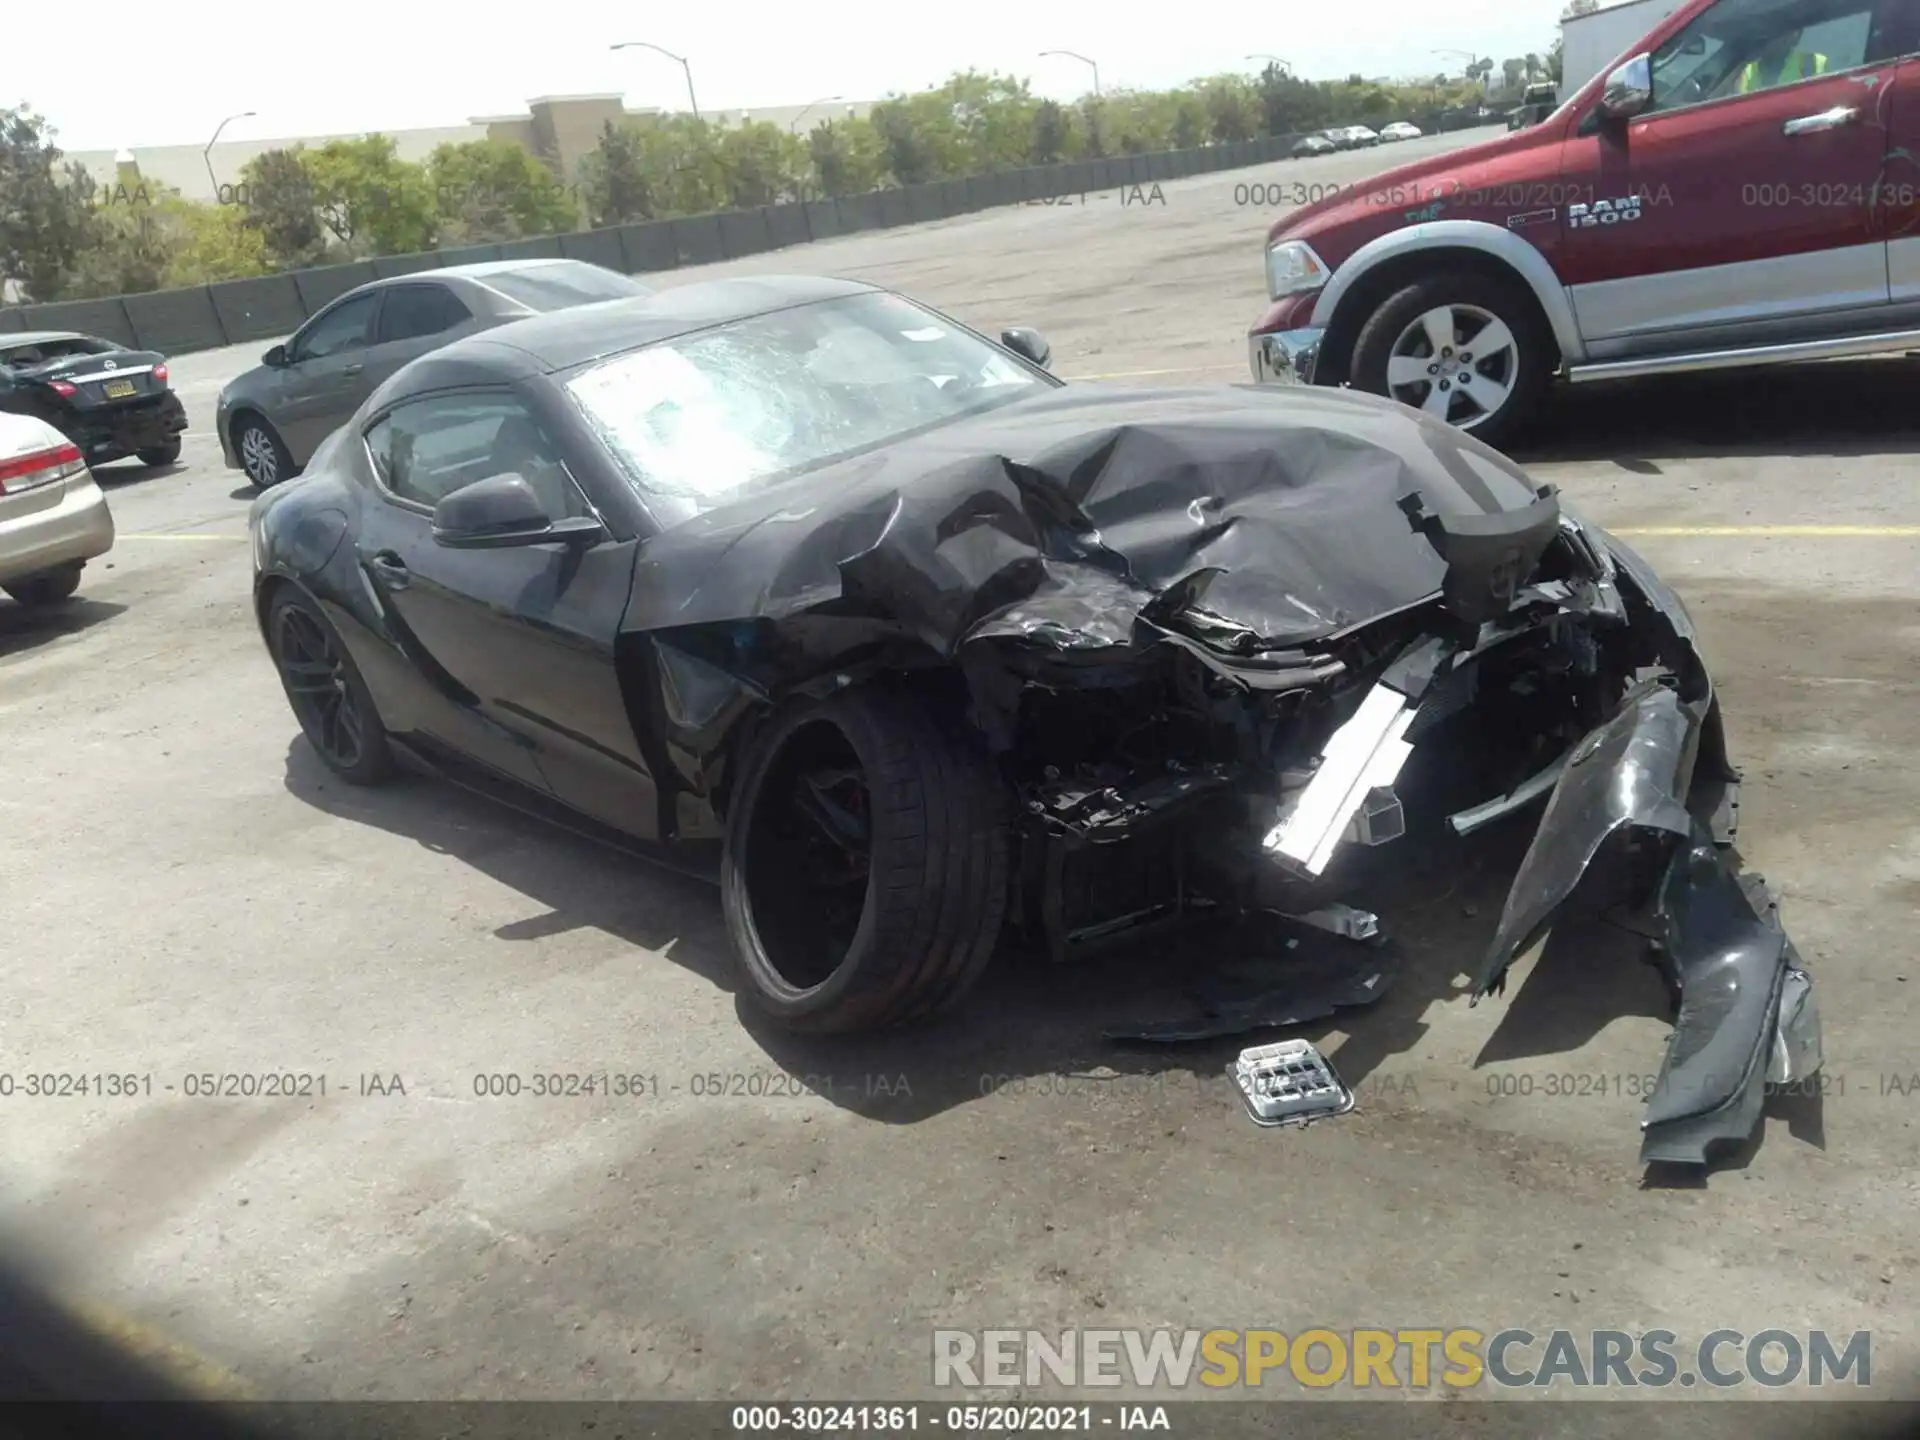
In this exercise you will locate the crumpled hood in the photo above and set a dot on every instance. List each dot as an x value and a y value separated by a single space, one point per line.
1095 500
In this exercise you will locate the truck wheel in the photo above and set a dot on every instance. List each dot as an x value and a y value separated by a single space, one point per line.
864 878
1466 348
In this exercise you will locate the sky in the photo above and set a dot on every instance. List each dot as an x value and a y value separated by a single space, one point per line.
348 66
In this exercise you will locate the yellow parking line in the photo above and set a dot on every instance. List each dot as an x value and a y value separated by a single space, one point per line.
204 536
201 1378
1772 532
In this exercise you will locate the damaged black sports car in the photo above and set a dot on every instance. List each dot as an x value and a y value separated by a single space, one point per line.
922 650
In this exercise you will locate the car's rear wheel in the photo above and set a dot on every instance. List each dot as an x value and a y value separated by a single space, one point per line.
262 454
47 588
864 880
329 698
1467 348
160 454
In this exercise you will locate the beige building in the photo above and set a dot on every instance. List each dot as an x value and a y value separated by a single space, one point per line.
558 128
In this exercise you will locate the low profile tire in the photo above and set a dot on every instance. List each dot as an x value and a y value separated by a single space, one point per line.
329 699
864 879
262 454
160 454
48 589
1464 347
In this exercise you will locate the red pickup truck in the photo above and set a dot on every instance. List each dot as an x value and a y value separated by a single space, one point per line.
1743 189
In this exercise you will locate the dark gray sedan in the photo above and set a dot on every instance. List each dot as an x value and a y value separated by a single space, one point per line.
272 418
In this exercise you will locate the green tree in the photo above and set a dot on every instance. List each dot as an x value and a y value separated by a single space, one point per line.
489 190
210 242
372 201
46 220
1092 131
278 203
1189 123
847 157
764 164
126 253
1230 108
1049 145
909 153
615 181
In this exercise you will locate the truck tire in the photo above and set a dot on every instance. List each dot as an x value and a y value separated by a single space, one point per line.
1419 347
864 877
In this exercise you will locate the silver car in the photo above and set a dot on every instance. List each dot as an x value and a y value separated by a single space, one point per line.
53 518
271 419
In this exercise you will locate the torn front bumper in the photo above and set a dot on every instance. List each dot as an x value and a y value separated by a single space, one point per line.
1284 357
1648 798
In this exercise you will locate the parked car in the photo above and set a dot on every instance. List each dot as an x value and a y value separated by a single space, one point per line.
914 648
1313 145
272 418
53 516
1698 207
110 400
1359 137
1399 130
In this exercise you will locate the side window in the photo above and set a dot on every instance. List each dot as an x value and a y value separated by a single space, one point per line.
426 449
412 311
1741 47
342 328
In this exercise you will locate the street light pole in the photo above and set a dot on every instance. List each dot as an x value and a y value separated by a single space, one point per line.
207 154
680 60
1076 55
793 125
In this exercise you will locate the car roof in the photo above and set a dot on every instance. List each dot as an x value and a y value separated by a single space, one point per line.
40 337
477 270
563 338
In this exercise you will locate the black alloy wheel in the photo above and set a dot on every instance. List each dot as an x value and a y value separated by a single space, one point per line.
328 697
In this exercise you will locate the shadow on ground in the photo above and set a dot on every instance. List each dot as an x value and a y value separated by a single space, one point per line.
122 473
1851 407
1032 1022
24 626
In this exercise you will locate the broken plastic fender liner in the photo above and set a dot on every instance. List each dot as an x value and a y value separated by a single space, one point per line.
1626 773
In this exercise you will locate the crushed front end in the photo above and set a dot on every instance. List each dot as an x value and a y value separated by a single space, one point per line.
1199 768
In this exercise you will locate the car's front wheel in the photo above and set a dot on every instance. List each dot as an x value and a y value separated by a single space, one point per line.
1467 348
262 453
329 698
47 588
864 879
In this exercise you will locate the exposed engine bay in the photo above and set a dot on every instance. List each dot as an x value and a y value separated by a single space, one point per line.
1236 776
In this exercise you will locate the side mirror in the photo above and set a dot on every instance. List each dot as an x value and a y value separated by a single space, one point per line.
275 358
1629 89
502 511
1028 344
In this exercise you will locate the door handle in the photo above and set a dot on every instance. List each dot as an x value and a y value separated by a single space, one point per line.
1826 120
390 570
353 369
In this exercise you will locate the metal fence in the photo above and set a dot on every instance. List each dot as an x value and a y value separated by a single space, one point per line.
234 312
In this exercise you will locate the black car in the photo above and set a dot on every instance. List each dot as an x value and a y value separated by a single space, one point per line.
109 400
1313 145
921 651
